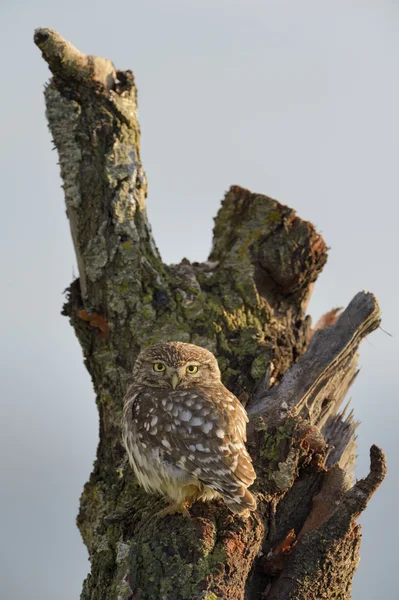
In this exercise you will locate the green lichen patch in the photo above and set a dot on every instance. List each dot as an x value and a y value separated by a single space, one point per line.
277 456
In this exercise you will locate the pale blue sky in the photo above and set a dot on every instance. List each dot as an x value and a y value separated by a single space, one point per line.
297 100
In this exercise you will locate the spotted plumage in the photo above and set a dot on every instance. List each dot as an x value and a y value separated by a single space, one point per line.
184 432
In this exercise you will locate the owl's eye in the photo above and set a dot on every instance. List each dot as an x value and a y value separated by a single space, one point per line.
192 369
159 367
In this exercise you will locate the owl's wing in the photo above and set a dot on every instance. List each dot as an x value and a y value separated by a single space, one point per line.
203 432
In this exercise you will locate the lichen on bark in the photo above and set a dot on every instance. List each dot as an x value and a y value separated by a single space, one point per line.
247 304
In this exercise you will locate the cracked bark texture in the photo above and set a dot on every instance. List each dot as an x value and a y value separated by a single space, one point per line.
247 304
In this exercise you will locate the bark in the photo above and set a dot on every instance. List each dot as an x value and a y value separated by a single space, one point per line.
247 304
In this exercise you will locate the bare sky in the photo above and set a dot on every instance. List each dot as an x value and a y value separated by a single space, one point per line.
297 100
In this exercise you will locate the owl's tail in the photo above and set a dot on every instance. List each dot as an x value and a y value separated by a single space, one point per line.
242 502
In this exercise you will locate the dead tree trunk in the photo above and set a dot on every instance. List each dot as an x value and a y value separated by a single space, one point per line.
247 304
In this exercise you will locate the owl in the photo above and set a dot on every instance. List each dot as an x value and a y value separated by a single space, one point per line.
184 432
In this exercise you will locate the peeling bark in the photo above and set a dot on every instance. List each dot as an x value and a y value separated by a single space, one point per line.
247 304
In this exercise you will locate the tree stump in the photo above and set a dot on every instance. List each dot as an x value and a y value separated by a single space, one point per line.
247 304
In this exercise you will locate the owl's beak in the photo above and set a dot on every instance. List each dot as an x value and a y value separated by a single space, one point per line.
175 380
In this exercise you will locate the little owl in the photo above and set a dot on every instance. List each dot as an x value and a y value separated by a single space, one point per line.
184 431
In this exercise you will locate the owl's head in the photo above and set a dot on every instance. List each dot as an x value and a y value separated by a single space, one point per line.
176 365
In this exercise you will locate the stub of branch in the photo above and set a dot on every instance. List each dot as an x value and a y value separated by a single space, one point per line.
92 114
285 252
320 370
65 60
315 386
321 558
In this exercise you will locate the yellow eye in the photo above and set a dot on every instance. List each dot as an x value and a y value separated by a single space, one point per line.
192 369
159 367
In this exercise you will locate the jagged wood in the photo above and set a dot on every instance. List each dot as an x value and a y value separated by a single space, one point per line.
247 304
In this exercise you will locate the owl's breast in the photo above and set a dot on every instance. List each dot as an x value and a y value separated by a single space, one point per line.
155 472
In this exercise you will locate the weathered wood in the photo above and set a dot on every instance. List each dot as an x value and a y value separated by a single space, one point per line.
247 304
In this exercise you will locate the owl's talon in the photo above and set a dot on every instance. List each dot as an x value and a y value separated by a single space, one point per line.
173 509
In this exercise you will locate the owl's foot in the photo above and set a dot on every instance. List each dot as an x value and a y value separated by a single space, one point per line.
176 508
191 493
